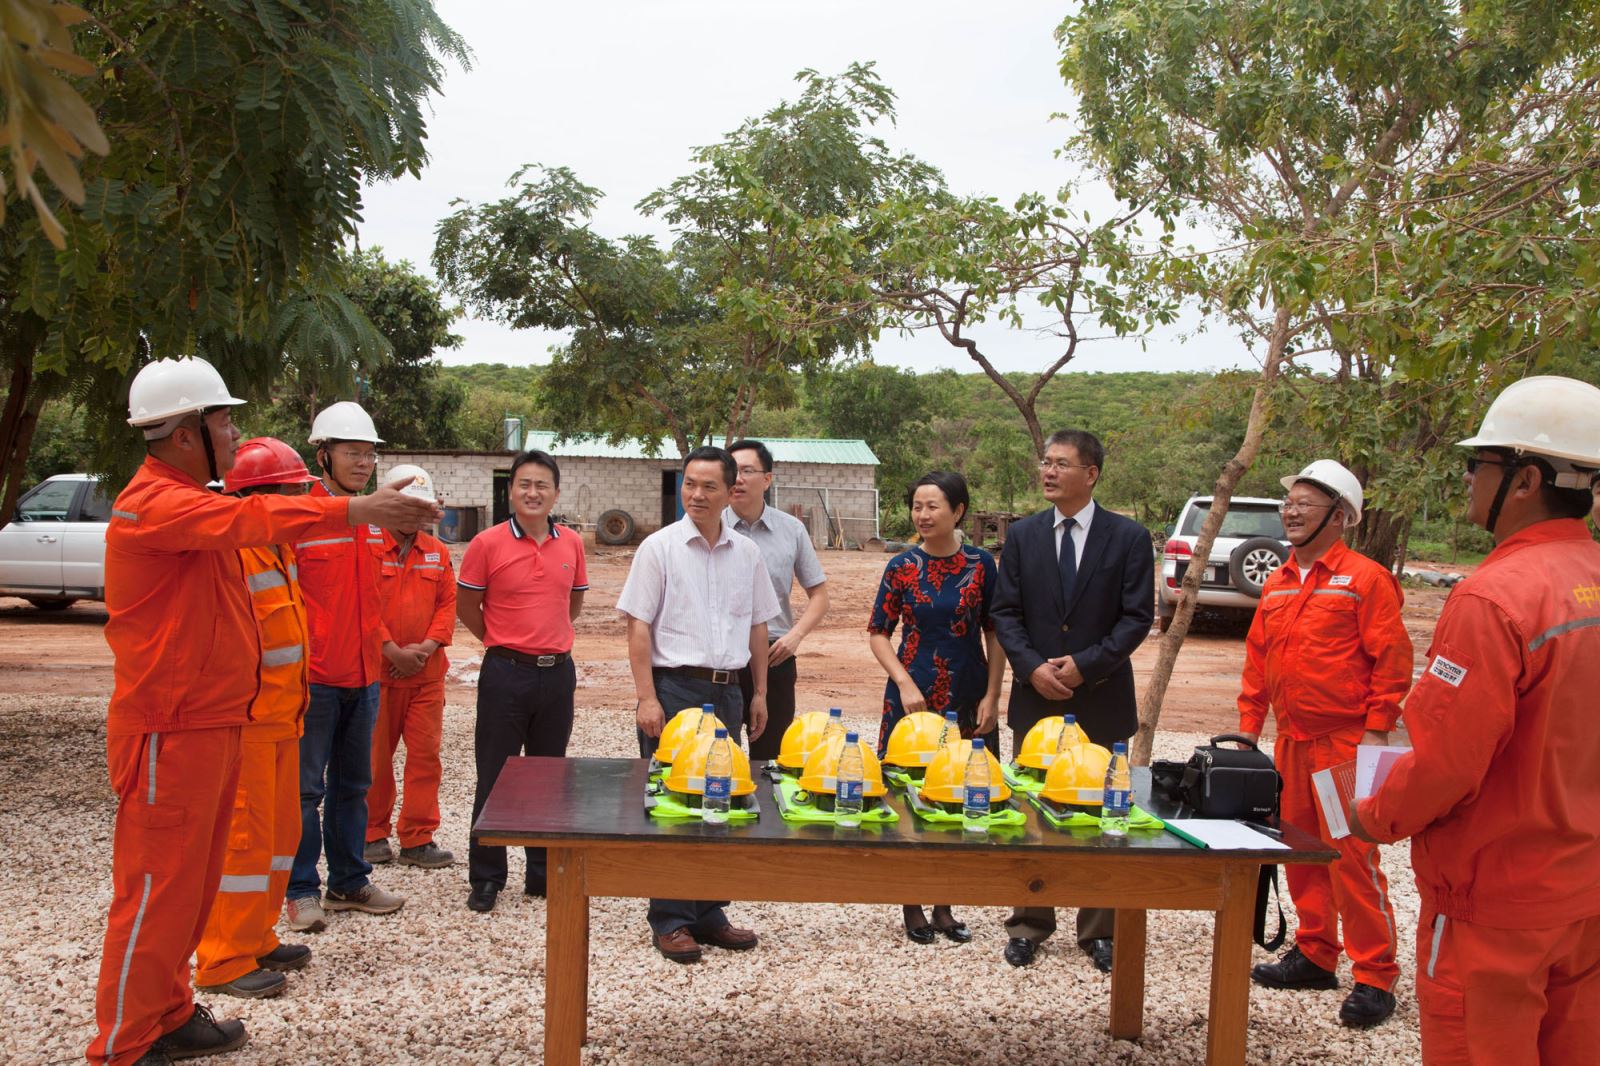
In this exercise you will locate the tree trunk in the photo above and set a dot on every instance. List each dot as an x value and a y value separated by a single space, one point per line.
16 465
1222 492
1378 537
11 427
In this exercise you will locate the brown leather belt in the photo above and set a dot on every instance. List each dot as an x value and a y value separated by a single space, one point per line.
701 673
525 659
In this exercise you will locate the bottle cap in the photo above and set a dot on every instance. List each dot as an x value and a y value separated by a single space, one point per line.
1069 719
950 716
852 737
977 743
1119 748
835 712
722 732
709 708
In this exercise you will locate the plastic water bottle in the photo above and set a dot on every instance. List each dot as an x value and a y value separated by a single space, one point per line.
708 717
951 733
849 783
1069 733
1118 799
719 778
835 724
975 796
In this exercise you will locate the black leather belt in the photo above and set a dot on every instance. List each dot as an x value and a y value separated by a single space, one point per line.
702 673
528 660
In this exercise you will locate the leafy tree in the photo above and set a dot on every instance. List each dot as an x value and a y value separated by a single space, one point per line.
242 135
882 405
682 342
1283 122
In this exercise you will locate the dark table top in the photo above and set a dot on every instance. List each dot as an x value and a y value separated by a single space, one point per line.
541 798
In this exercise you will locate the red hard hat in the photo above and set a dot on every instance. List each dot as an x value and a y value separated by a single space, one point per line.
266 461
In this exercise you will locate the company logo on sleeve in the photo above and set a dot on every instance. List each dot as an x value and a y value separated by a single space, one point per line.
1450 673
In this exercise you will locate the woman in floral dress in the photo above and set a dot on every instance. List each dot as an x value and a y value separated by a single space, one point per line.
939 594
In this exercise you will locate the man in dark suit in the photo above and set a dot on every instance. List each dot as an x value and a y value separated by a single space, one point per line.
1075 597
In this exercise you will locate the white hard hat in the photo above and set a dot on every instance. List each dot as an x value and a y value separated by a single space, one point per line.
1334 479
165 392
1554 418
344 420
421 486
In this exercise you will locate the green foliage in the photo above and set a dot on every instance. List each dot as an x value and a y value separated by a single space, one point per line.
881 405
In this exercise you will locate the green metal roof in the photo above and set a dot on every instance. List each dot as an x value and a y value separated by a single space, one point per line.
784 449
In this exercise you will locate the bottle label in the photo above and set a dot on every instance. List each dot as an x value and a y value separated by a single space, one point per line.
1117 799
719 787
977 797
850 791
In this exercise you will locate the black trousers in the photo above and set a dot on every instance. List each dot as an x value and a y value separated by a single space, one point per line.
522 710
780 707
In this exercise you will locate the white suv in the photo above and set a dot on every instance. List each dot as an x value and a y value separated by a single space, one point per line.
1249 546
53 550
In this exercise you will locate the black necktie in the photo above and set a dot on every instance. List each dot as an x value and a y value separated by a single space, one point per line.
1067 559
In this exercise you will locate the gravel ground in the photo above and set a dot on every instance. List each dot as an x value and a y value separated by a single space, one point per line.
438 983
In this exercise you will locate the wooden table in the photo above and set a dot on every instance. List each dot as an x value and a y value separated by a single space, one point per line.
590 814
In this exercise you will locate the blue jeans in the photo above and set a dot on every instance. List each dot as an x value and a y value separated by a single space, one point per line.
335 773
675 693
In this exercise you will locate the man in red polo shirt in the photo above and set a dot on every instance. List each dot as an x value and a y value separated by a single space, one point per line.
520 589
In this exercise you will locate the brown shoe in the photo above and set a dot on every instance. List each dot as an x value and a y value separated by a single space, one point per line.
678 945
730 938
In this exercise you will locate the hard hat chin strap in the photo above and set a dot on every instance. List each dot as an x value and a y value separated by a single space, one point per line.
211 451
1508 471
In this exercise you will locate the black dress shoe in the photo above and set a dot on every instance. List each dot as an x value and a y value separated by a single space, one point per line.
201 1035
1020 951
482 896
1099 950
1365 1006
1295 971
921 934
957 932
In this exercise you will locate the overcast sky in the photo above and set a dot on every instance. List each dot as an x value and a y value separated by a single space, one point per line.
622 90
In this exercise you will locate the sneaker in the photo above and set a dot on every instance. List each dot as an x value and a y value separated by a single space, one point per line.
257 984
1295 971
285 957
201 1035
305 915
378 852
1366 1006
369 898
429 856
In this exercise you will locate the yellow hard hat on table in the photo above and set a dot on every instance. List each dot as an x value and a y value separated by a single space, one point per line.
914 740
1078 776
1039 747
819 776
802 737
687 775
687 723
946 779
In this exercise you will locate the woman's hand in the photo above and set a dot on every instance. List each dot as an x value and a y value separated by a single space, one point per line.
988 715
911 697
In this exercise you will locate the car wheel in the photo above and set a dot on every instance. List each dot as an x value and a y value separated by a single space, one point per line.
50 605
614 527
1253 562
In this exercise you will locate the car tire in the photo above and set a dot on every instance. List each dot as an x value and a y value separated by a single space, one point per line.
615 527
51 604
1253 561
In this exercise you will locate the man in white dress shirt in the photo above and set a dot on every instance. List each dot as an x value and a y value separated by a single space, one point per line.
697 603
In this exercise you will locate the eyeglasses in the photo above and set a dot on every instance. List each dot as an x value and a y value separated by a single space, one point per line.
350 456
1057 464
1298 507
750 471
1473 462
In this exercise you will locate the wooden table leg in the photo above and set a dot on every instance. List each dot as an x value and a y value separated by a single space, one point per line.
1230 967
566 958
1127 976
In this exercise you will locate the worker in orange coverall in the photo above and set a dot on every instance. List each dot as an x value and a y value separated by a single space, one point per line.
1501 796
418 588
1329 655
239 954
187 659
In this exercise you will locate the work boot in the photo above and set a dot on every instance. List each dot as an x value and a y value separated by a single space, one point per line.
1294 971
257 984
305 915
285 957
378 852
369 899
153 1058
1366 1006
429 856
201 1035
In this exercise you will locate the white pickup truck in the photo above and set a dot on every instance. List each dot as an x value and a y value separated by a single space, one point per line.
53 550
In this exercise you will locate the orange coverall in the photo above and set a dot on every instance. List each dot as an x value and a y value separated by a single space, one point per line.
186 653
266 809
339 577
419 603
1501 800
1329 654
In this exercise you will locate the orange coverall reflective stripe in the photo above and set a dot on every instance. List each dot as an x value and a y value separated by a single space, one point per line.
186 651
419 603
265 828
1501 799
1328 651
339 576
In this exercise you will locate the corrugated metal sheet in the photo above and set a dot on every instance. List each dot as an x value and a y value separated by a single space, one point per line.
784 449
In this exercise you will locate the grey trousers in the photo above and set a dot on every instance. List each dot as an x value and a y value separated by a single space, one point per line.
675 693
